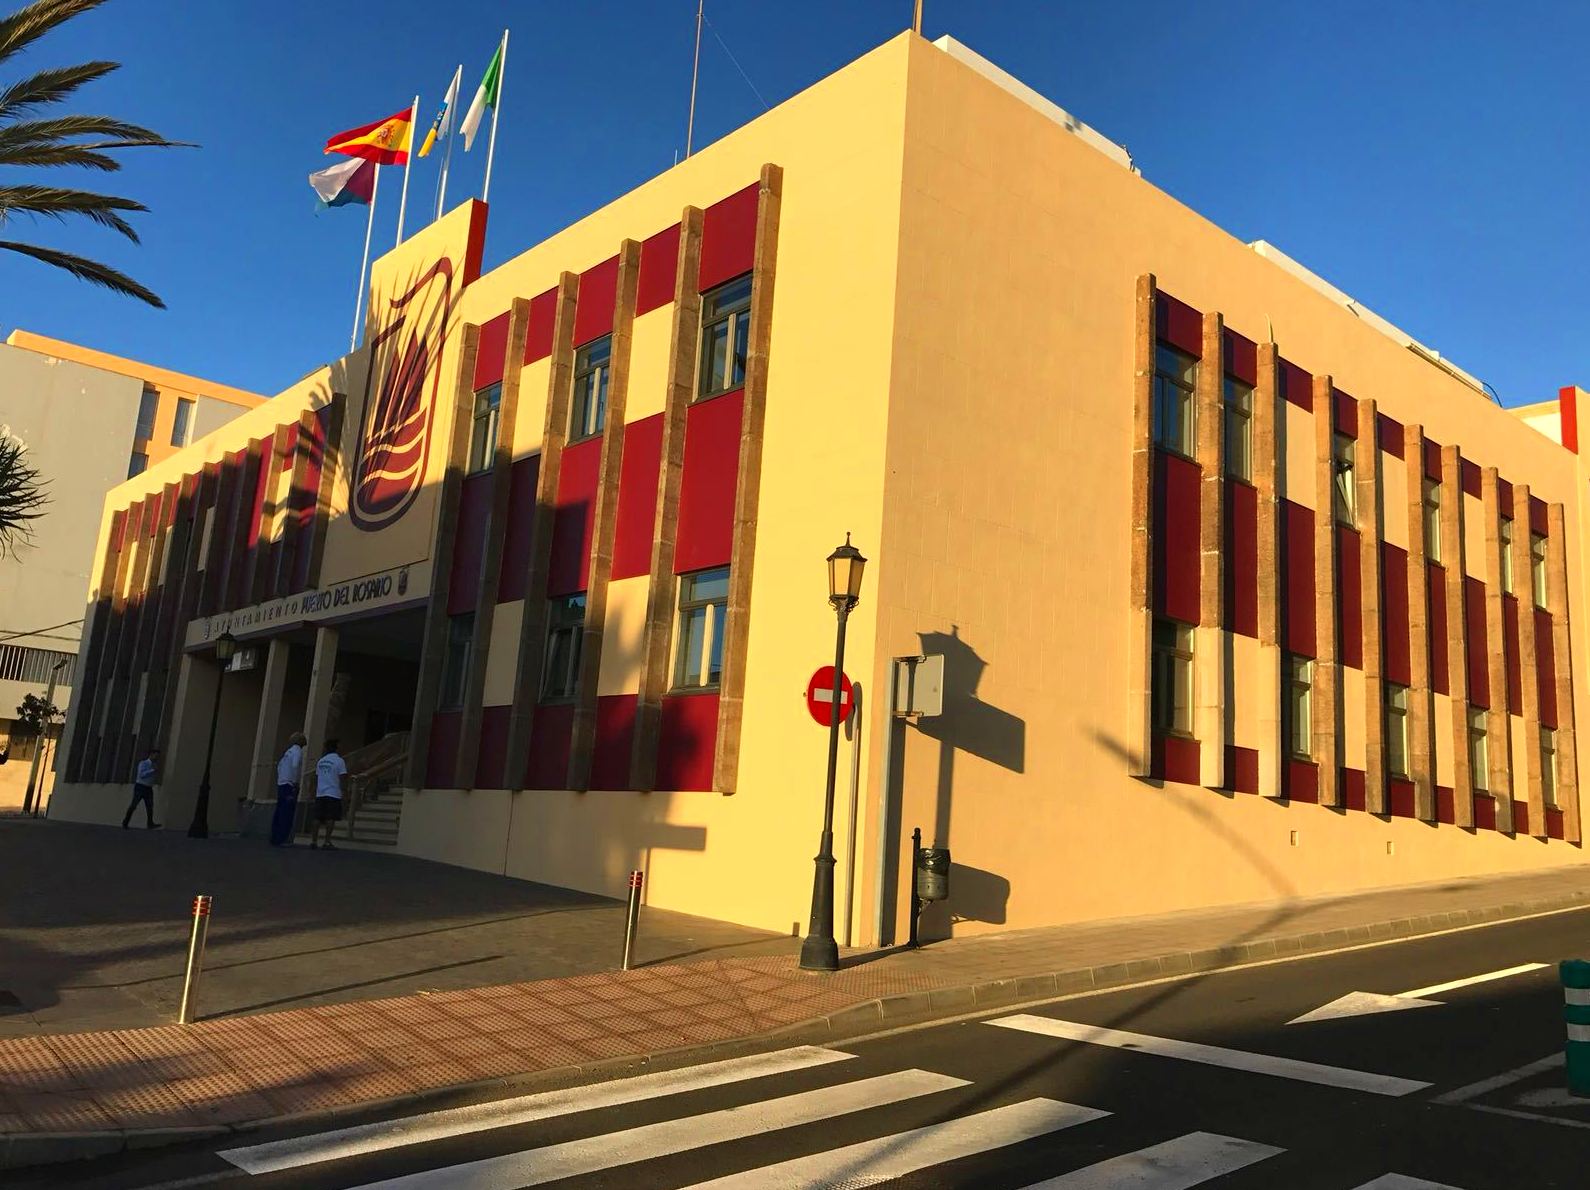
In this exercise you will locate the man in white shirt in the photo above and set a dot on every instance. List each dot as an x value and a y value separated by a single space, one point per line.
144 789
289 772
329 772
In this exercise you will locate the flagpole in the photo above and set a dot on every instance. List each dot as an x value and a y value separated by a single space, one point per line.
369 226
447 158
408 164
491 145
695 71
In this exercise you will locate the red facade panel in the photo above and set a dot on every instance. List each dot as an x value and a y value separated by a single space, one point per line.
1504 498
1174 758
1176 576
1297 386
1432 459
1436 576
1484 812
1242 558
519 533
1401 797
441 762
491 354
687 739
304 497
549 747
1470 473
1242 769
1179 324
1521 817
728 239
1242 357
538 328
1300 780
707 487
1345 410
262 483
1445 804
1349 597
615 726
1352 785
1568 414
1555 828
659 266
1537 516
1515 685
469 543
571 521
637 497
593 310
1297 557
291 448
1398 653
1391 435
492 758
1545 668
1479 648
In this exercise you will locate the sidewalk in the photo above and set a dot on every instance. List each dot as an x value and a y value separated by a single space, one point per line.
86 1094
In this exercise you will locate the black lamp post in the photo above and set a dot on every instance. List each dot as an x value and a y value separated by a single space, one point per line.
225 646
819 951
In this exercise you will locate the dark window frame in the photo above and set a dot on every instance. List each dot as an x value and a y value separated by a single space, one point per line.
725 308
485 428
593 364
457 659
1175 390
1238 397
560 671
1173 658
691 650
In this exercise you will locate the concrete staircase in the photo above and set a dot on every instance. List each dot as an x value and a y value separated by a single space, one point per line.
375 800
375 820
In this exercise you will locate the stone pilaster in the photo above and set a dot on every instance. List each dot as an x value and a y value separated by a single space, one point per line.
1366 476
1499 735
1140 640
1210 644
330 460
1421 696
1327 664
1267 411
1562 657
1457 663
1528 674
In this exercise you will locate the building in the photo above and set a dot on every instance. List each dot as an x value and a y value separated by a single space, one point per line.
1243 594
89 420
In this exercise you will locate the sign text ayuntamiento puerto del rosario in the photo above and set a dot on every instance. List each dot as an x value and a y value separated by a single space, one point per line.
382 591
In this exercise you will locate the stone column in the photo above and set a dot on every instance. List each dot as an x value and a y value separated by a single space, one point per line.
268 741
1140 637
1267 411
1528 674
1499 735
1367 498
1457 626
1327 666
1209 638
1421 697
317 710
1562 657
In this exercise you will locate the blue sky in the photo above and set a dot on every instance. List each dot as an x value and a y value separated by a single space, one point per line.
1426 157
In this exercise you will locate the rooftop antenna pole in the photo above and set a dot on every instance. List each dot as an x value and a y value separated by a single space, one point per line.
916 24
695 71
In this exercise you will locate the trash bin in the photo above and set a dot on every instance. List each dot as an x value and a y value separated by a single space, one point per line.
932 873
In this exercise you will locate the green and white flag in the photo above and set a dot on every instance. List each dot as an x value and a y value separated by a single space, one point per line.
485 96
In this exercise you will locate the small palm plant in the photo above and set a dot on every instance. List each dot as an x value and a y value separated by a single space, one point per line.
28 137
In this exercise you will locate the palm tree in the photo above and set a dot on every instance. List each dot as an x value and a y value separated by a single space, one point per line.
22 496
28 138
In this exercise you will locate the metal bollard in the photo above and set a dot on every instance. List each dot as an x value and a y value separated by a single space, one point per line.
635 879
1575 975
190 980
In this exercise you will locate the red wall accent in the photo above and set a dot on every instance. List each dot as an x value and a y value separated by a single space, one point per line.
262 482
615 725
1520 818
1176 537
1174 758
549 747
441 762
492 758
1470 473
1179 324
1345 410
519 533
1537 516
1515 683
571 521
1545 668
1396 649
491 353
728 239
1297 557
1353 796
1435 576
707 487
659 265
1301 780
1242 769
1350 597
637 497
292 446
1432 459
593 310
538 327
1242 357
1504 498
1391 434
1242 559
1478 646
1445 804
1568 411
1401 797
688 736
303 498
469 543
1484 812
1554 824
1297 386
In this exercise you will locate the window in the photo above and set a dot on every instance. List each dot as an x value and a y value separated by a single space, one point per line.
182 422
1537 567
1432 520
137 464
1299 707
455 664
1548 765
1172 678
590 389
703 599
1344 491
1479 750
1507 556
147 404
1239 430
565 634
725 337
1175 382
1397 730
483 431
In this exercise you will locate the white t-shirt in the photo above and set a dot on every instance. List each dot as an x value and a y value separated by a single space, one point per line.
291 766
329 773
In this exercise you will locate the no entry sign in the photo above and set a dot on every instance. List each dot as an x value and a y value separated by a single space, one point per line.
820 697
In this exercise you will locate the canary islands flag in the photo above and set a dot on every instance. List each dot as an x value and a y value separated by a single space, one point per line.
386 142
443 124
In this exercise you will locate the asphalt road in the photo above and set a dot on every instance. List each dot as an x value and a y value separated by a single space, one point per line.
1192 1082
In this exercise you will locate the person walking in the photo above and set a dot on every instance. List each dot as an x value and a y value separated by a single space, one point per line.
329 772
144 789
289 772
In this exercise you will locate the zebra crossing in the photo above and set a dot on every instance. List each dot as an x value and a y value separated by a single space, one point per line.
959 1128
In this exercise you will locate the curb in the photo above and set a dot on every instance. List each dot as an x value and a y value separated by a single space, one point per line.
20 1150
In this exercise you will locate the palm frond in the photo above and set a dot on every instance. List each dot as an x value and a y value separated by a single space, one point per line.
87 270
31 22
50 86
49 155
57 202
121 134
22 497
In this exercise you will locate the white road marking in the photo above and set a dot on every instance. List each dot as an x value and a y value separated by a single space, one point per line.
1361 1004
533 1167
503 1113
1438 988
1175 1165
906 1152
1213 1055
1498 1081
1397 1181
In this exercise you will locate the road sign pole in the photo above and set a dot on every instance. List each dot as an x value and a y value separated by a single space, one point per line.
819 951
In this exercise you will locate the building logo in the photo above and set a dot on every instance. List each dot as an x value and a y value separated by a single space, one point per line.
400 400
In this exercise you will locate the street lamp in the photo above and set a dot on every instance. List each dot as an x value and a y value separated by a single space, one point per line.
819 951
225 646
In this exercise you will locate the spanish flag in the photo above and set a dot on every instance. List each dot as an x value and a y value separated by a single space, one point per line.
386 142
